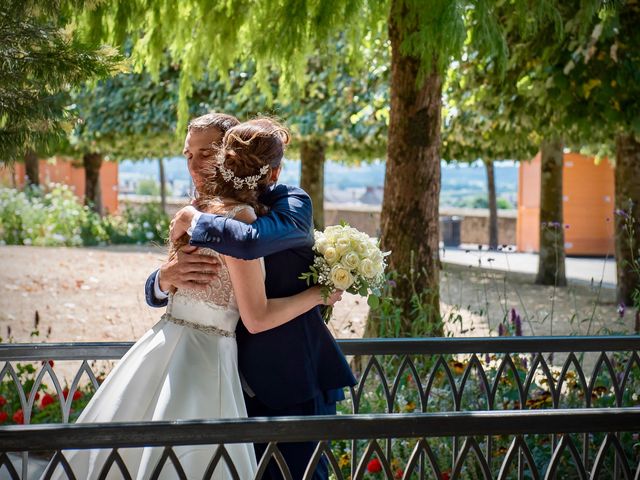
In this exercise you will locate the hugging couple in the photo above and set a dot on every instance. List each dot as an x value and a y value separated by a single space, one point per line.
242 334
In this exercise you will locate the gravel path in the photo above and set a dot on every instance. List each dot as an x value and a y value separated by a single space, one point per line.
97 294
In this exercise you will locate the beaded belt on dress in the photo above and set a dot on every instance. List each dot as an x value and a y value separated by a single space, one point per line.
210 329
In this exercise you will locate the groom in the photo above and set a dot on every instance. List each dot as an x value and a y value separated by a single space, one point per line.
297 368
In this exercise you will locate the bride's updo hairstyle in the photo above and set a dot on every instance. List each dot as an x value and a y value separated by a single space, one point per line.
242 169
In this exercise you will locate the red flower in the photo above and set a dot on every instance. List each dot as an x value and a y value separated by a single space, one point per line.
374 466
3 417
3 401
445 475
18 417
77 395
50 363
65 392
47 400
399 473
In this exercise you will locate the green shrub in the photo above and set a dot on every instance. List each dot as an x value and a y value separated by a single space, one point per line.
149 186
142 224
54 217
51 217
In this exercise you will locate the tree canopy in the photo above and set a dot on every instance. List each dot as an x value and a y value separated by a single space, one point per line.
39 62
281 35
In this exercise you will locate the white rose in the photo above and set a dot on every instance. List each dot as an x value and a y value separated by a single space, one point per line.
343 245
330 255
341 277
375 255
332 232
367 268
321 245
361 248
379 268
351 260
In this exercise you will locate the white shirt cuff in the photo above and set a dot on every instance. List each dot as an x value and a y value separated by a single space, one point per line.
194 222
159 294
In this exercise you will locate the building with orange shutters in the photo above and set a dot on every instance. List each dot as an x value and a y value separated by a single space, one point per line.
588 196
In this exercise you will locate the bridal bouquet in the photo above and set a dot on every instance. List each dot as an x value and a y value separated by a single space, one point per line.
349 260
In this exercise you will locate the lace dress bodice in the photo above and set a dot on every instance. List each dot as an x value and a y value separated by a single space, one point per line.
214 309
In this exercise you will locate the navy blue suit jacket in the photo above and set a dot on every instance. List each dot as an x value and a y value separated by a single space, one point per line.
300 359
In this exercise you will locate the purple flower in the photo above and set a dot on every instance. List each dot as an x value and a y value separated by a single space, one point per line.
501 330
622 213
621 309
525 363
513 316
518 325
392 283
487 358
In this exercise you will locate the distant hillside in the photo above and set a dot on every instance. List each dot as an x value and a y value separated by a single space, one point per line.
463 186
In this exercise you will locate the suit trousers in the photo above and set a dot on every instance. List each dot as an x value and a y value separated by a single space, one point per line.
297 455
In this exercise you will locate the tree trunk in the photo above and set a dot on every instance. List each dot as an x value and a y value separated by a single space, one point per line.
493 206
92 194
551 259
32 168
312 157
163 187
409 217
627 219
14 182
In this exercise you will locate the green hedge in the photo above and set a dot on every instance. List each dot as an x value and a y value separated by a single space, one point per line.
53 216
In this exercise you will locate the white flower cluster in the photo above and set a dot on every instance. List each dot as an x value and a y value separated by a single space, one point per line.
348 260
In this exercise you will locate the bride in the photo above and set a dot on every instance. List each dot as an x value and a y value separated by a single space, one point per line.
185 367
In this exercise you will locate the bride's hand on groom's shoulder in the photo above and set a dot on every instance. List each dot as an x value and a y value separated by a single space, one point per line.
188 269
181 222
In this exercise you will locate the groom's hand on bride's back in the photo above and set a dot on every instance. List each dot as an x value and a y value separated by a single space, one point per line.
188 269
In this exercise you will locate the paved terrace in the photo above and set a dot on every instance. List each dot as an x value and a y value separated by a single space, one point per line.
579 270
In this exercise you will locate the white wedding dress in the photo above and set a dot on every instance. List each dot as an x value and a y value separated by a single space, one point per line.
184 368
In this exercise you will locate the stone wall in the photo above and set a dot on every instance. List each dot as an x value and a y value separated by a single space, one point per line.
474 227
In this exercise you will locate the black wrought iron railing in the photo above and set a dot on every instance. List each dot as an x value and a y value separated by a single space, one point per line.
424 432
434 374
553 377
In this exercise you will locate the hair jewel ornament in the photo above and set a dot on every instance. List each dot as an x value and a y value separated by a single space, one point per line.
238 182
